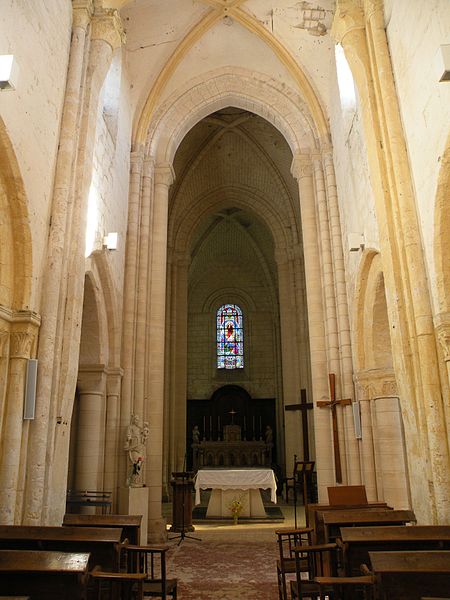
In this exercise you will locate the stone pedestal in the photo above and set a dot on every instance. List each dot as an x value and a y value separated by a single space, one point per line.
134 501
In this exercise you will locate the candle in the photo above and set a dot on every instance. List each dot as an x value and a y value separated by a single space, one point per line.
260 427
210 426
218 424
204 427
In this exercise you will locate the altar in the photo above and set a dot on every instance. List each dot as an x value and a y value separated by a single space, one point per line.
231 484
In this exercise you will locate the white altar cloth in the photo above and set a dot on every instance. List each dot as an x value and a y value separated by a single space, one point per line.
235 479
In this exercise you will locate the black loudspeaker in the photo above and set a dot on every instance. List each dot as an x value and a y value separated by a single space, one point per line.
29 403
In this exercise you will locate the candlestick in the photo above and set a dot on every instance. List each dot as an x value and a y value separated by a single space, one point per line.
260 428
204 427
210 427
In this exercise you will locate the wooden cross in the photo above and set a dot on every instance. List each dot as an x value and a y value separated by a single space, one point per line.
332 405
303 406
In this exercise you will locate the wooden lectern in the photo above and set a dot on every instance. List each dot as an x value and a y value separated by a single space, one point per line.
182 486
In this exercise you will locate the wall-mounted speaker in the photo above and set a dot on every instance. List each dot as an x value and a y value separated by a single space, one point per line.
29 404
357 420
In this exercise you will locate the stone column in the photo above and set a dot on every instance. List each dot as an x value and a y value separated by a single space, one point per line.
113 447
290 359
22 337
164 177
90 445
343 322
367 442
54 267
302 171
129 299
360 29
142 289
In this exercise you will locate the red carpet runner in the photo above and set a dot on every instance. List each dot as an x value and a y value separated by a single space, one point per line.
225 570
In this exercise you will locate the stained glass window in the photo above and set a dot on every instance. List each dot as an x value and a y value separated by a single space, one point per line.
230 337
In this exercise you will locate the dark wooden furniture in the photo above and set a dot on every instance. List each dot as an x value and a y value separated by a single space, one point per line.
302 482
409 575
103 543
151 560
313 518
344 495
94 499
182 488
318 557
44 575
109 586
357 542
334 519
287 540
130 524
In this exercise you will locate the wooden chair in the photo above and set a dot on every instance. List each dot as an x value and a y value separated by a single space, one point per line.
118 586
318 558
287 539
151 560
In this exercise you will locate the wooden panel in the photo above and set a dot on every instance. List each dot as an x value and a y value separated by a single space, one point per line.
130 524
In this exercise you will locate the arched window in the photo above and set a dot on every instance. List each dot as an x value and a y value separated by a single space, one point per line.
230 337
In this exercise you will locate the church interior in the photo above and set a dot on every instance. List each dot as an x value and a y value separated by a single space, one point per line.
224 242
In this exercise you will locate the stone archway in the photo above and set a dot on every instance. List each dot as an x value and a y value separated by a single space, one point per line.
383 442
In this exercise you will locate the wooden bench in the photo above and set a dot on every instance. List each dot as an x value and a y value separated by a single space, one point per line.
130 524
314 513
410 575
357 542
44 575
94 499
333 520
103 544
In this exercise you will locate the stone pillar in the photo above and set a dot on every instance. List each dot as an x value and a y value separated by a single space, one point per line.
164 177
302 171
129 297
290 359
360 29
176 369
18 346
90 444
54 267
112 440
141 290
343 322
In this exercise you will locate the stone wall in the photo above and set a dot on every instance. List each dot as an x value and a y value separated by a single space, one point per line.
38 35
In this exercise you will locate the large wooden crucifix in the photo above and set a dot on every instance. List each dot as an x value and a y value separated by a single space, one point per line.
332 405
304 406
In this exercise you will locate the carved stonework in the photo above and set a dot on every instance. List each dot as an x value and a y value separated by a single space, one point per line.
375 383
347 17
82 13
443 336
107 26
301 166
21 342
164 175
4 343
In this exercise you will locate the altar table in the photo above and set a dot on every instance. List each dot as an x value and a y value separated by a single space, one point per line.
230 484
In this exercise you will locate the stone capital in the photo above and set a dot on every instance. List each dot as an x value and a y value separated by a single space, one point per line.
443 333
107 26
348 17
82 11
149 168
91 379
113 381
164 174
4 343
301 166
375 383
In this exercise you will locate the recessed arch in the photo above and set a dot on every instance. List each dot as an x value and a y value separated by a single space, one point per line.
250 91
16 248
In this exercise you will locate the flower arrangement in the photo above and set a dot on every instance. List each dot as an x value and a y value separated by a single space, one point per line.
236 506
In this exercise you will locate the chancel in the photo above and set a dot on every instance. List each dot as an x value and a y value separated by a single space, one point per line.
276 174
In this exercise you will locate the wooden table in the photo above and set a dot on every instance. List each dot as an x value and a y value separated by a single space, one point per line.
103 543
359 541
410 575
130 524
334 519
44 575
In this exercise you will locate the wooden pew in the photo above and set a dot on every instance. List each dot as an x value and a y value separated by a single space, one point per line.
333 520
410 575
359 541
104 544
130 524
314 514
44 575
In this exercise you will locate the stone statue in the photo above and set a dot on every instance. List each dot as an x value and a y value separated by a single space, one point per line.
137 435
195 435
269 435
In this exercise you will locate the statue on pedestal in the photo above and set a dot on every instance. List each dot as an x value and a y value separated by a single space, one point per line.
137 434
